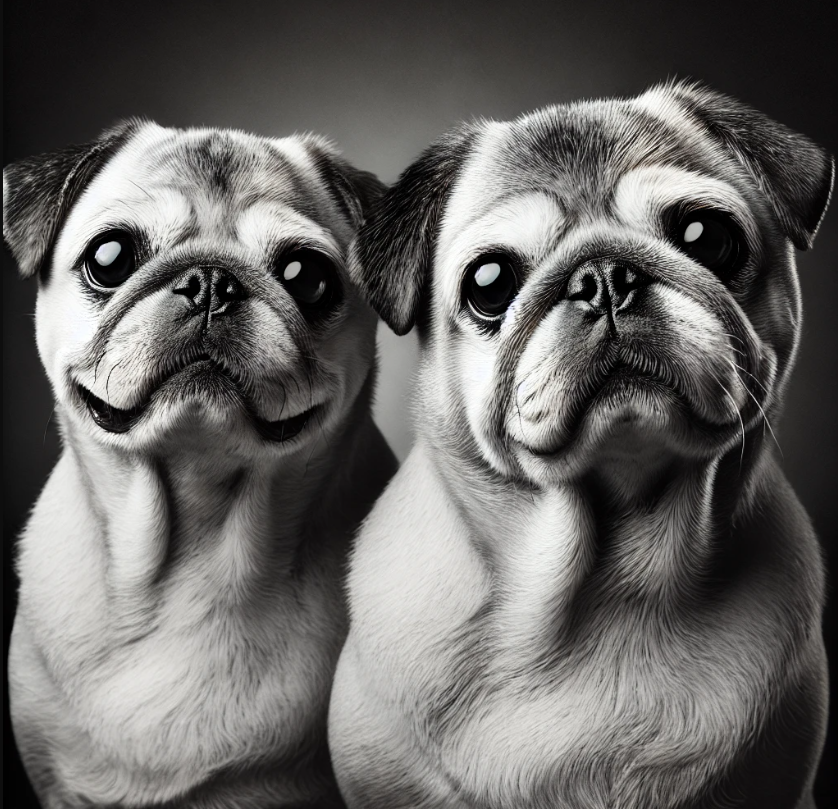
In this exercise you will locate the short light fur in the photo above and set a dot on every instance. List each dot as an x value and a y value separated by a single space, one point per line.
590 584
181 607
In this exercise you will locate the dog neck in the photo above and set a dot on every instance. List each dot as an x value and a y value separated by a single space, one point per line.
202 512
645 535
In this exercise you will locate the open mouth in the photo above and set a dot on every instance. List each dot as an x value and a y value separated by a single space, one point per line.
115 420
108 417
283 429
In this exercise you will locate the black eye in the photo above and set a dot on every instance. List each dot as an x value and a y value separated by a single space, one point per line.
309 276
490 285
110 259
712 239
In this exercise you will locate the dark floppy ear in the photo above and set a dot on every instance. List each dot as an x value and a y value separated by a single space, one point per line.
390 258
795 173
38 193
355 191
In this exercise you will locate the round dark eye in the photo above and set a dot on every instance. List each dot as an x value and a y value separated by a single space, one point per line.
309 277
491 285
110 259
712 239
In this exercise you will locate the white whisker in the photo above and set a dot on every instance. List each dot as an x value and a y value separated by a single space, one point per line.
766 422
766 391
738 415
46 428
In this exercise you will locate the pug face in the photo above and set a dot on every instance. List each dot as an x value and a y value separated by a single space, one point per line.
603 281
623 299
197 288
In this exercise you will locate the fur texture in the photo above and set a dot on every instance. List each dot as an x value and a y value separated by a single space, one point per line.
590 584
181 610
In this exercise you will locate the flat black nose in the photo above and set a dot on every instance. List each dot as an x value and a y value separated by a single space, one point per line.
210 289
605 286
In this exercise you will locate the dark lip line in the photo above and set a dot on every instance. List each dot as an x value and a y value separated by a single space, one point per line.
109 418
116 420
587 406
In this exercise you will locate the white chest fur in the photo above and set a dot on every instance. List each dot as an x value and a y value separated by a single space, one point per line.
170 647
513 692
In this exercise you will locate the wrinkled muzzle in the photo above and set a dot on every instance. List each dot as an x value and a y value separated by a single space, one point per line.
207 330
633 336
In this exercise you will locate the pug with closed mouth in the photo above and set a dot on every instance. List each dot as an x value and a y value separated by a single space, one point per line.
181 606
590 584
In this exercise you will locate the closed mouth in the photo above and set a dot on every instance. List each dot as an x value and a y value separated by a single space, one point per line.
118 420
623 385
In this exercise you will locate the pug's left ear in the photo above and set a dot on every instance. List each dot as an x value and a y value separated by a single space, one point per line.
38 193
795 173
391 257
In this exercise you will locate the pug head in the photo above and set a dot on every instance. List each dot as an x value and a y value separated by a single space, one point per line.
193 283
600 280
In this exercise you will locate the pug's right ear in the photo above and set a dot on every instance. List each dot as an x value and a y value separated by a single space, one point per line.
390 259
38 193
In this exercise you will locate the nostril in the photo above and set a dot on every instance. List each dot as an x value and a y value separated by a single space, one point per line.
191 289
227 289
210 289
582 287
622 278
626 278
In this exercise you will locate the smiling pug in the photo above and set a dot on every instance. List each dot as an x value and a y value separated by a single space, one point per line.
590 584
180 608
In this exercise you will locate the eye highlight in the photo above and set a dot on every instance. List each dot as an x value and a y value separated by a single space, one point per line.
309 276
710 237
110 259
490 285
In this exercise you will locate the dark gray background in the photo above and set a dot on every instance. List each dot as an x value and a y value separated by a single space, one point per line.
383 80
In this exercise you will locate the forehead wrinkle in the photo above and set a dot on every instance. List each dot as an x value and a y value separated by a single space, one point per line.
578 153
699 151
594 135
574 153
648 191
281 224
527 223
236 167
161 214
302 211
581 150
152 183
575 148
164 206
504 201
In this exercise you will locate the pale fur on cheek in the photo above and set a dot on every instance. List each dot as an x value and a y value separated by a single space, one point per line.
477 366
66 323
707 354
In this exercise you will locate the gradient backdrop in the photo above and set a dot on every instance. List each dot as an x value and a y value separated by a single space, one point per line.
383 80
